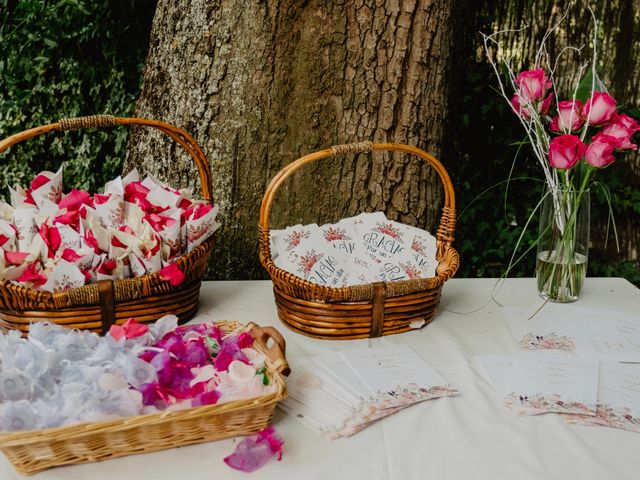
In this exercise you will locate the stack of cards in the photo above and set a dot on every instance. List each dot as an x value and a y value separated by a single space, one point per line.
340 393
358 250
584 390
581 363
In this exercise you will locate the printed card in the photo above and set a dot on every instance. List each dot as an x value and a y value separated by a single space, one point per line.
552 382
618 398
604 333
396 369
340 393
382 238
342 235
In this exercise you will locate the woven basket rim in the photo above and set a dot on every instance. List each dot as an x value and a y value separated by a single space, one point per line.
12 439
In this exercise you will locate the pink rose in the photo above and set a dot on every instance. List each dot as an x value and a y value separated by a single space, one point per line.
599 153
533 85
599 108
518 107
623 128
565 151
568 118
545 105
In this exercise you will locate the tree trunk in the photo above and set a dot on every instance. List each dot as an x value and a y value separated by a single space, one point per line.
263 84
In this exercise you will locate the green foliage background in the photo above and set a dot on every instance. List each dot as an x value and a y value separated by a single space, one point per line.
69 58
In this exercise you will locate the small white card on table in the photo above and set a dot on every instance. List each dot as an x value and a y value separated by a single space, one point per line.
552 382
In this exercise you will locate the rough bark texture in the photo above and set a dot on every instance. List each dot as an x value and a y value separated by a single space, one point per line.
261 84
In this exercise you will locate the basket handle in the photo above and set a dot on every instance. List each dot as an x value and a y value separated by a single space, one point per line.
447 221
181 137
275 353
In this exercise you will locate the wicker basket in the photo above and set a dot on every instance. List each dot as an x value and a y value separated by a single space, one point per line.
34 451
359 311
97 306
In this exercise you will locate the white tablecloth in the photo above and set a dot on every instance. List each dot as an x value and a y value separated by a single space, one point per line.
467 437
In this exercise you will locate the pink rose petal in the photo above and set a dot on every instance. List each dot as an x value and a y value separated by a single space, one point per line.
15 258
70 256
134 329
51 237
117 331
254 452
30 275
74 199
39 181
172 274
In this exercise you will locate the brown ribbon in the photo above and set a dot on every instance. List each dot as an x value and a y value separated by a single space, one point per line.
107 307
377 311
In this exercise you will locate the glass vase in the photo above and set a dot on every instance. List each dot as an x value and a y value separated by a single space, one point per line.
563 244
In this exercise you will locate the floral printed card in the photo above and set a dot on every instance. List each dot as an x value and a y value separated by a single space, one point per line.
292 238
618 398
548 329
398 371
552 382
604 333
340 393
342 235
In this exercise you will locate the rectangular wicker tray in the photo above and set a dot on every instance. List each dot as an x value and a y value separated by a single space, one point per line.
33 451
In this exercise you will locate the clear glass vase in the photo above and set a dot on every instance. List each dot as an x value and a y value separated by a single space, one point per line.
563 244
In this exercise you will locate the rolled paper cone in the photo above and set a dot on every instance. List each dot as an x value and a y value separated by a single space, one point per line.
8 235
50 191
92 226
136 265
18 196
69 238
118 239
14 273
201 229
6 211
65 275
46 210
24 221
153 264
111 213
132 176
133 216
170 236
114 187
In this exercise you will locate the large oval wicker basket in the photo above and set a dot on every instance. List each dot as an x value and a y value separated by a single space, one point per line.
360 311
99 305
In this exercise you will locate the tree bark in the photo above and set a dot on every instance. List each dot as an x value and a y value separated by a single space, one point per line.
261 84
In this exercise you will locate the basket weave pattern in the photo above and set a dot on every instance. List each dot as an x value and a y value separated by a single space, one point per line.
34 451
97 306
359 311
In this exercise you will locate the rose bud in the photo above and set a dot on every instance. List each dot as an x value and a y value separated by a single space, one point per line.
599 152
622 127
565 151
533 85
598 109
568 118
